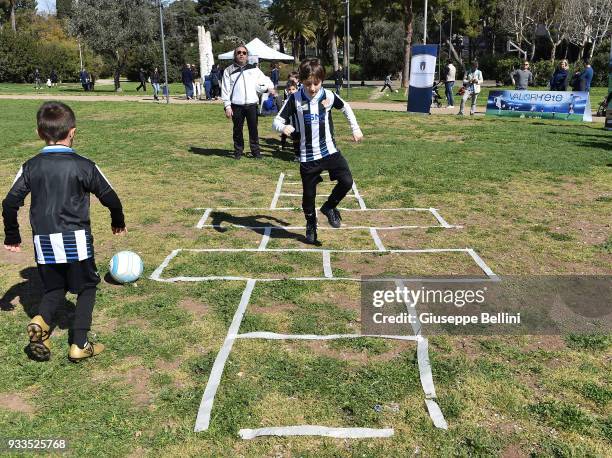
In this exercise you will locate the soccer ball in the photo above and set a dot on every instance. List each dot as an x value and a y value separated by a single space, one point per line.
125 267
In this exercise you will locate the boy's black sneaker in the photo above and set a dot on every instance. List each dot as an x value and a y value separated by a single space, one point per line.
333 216
311 231
237 156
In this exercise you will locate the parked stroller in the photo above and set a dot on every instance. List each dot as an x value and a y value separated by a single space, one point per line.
436 98
603 106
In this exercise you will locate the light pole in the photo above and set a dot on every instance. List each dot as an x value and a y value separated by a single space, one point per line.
161 26
425 25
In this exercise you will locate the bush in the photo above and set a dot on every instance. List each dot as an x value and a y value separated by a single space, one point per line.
381 50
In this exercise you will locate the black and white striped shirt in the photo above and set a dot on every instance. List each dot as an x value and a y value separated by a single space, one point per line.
314 122
60 182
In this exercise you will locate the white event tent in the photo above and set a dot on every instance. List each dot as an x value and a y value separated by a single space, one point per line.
259 49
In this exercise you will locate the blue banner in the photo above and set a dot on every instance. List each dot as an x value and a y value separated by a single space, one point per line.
422 72
566 106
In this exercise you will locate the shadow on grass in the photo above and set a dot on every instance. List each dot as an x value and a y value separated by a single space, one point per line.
255 223
30 293
268 148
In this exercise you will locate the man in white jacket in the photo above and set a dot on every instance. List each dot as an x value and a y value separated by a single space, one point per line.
471 82
242 83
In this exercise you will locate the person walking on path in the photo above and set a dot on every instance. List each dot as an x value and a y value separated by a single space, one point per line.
522 78
387 83
116 78
197 83
142 77
471 82
53 77
37 80
215 76
449 82
559 80
84 78
187 80
338 79
242 83
155 78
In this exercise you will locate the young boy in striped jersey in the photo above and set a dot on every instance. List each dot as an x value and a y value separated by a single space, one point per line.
312 106
60 182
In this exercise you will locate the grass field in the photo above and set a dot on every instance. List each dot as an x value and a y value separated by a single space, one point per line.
534 197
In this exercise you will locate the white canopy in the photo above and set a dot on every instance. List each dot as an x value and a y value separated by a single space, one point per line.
258 49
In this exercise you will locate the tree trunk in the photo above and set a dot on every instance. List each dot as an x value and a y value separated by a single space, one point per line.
408 26
302 47
457 57
281 44
553 51
13 22
533 50
333 42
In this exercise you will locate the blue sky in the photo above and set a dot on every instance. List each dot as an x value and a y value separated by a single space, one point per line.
46 6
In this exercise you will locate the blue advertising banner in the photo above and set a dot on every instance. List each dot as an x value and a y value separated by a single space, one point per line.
422 72
566 106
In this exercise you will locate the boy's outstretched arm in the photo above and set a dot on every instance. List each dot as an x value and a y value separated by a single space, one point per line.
350 117
107 196
281 121
10 206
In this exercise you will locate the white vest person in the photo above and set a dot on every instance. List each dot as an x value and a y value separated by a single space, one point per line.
242 83
471 82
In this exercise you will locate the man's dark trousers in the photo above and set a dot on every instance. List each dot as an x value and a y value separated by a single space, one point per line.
250 113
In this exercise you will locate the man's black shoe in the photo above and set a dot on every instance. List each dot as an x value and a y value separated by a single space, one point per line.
311 232
237 156
333 216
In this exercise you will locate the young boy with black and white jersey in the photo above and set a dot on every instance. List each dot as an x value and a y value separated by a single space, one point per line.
60 182
311 106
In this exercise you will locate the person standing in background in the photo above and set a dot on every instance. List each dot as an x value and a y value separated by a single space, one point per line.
155 77
522 78
197 82
275 75
471 82
449 82
586 77
560 78
338 79
187 80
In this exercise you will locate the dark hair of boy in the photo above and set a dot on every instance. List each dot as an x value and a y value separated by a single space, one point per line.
293 74
54 121
312 68
291 83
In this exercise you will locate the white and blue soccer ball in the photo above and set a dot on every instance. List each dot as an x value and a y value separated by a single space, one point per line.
125 267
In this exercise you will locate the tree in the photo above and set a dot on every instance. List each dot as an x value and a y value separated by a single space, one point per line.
114 28
292 21
590 24
12 7
408 30
380 48
63 8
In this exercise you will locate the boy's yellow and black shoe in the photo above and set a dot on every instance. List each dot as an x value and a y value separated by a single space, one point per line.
77 354
39 348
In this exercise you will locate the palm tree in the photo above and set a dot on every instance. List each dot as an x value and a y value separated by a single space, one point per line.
292 21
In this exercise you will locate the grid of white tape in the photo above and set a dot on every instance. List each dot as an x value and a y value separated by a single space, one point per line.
206 405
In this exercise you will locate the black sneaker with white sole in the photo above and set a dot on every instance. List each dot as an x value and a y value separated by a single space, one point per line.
311 230
333 216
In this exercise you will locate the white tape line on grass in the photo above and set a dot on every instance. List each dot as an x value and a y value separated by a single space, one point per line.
279 186
297 209
203 219
265 239
203 418
276 336
377 240
362 204
299 228
327 270
156 275
441 220
319 250
313 430
436 414
485 268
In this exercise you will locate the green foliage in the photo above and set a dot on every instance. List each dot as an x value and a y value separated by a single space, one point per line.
588 341
381 48
563 415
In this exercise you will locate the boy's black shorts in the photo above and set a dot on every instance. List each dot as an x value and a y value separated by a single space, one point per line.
73 277
335 164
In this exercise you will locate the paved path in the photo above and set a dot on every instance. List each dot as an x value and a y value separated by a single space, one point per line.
380 106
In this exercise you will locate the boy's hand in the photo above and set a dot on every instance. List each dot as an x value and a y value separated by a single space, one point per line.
14 248
357 136
288 130
228 112
119 230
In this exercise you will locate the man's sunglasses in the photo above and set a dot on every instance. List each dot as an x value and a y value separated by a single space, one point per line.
238 53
